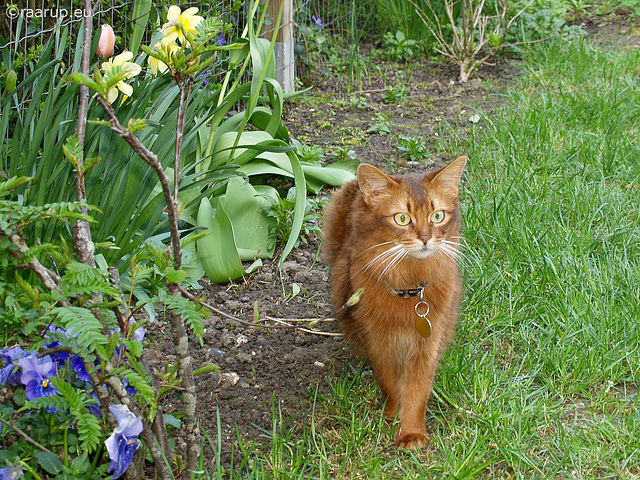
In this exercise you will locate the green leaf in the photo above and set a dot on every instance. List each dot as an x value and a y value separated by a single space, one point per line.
207 369
89 163
237 55
171 420
194 237
191 263
175 276
136 124
301 200
84 324
49 462
82 79
140 18
13 182
218 252
12 79
251 225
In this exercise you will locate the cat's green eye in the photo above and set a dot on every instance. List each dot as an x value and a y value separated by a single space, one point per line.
437 217
402 219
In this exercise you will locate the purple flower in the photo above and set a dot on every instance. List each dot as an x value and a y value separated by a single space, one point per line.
140 332
35 377
317 20
34 368
95 408
55 332
77 365
11 473
221 40
9 357
122 444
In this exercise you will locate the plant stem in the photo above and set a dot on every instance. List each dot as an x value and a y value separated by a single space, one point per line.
25 436
48 277
118 388
180 338
82 241
179 134
189 394
152 160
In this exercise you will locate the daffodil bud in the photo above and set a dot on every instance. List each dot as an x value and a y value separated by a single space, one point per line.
107 41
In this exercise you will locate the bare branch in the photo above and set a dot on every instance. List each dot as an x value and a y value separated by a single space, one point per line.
470 38
82 241
26 436
34 264
152 160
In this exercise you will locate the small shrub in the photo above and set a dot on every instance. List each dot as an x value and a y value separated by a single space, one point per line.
282 210
342 154
399 47
395 94
413 148
382 126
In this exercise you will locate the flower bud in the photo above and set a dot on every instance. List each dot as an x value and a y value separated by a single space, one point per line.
107 41
355 298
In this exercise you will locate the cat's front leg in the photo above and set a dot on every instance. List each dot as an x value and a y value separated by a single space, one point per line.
387 380
414 386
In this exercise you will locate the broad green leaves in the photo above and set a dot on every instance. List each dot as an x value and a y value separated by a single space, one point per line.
239 229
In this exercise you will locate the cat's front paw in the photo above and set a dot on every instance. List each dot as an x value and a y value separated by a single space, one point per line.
414 441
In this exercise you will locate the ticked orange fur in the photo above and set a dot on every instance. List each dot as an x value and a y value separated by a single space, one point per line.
385 234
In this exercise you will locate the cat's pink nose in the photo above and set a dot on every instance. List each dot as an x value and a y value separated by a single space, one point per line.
424 238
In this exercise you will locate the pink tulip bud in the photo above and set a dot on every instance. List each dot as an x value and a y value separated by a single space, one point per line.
106 42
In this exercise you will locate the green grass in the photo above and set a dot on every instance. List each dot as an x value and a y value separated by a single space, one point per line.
542 379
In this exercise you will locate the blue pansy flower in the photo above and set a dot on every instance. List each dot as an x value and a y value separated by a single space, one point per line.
140 332
123 442
60 357
36 373
11 473
94 408
77 365
317 20
9 374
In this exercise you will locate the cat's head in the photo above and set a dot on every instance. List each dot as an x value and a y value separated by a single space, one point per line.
412 216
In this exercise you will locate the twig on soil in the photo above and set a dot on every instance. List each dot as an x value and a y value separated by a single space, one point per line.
283 322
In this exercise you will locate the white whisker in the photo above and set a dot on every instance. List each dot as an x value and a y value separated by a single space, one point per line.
383 256
448 250
389 260
378 245
399 257
456 249
380 259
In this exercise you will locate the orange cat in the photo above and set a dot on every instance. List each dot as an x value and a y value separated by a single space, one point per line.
397 237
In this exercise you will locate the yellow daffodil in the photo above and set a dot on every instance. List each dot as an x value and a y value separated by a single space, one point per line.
168 46
180 23
130 70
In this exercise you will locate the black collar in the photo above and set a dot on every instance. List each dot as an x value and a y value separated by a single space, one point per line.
411 292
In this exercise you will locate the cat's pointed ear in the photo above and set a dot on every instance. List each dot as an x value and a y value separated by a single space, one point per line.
449 176
373 182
